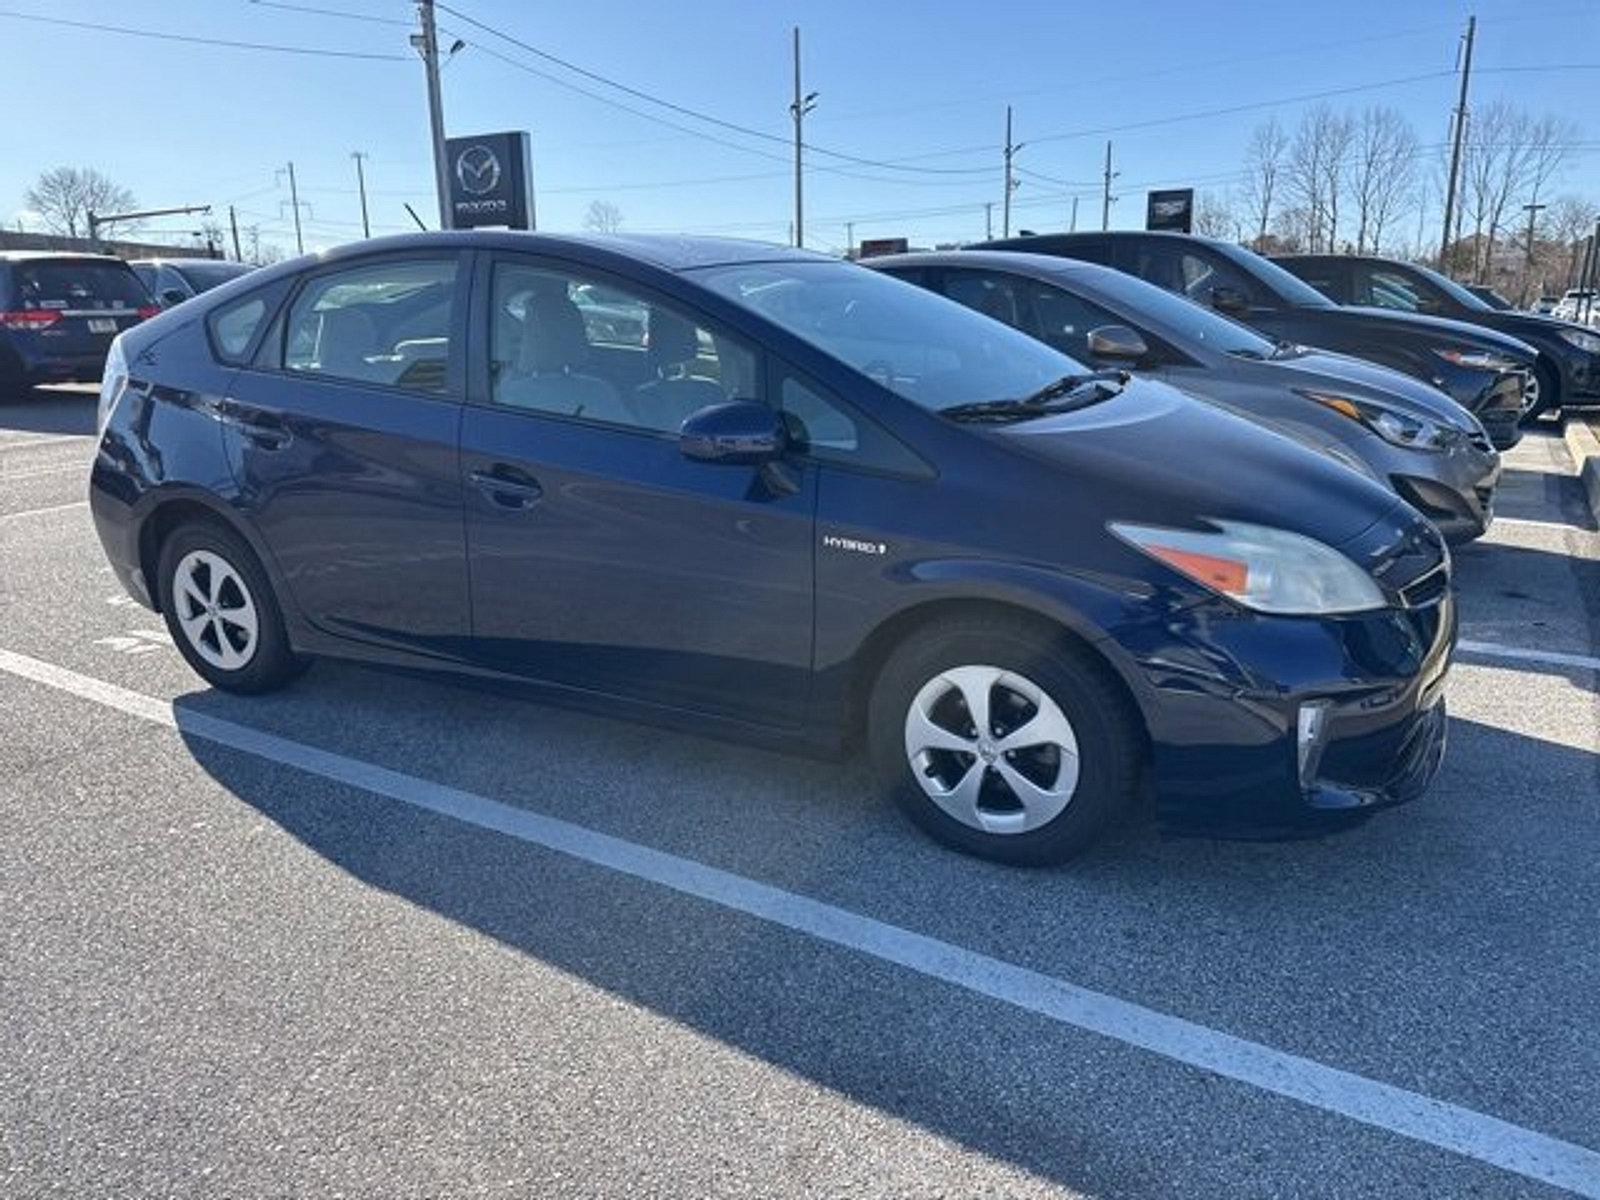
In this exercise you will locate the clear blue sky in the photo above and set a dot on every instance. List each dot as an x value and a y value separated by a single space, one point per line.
905 81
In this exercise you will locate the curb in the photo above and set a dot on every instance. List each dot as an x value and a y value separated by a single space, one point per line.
1582 436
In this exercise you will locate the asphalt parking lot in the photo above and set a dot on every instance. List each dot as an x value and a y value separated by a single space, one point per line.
380 935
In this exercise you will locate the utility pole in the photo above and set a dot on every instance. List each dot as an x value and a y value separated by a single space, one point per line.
1011 184
361 186
849 239
1073 228
1590 273
427 44
988 220
294 203
1458 135
233 221
1527 274
1105 195
798 110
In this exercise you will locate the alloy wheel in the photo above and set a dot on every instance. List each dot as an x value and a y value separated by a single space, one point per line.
215 610
992 749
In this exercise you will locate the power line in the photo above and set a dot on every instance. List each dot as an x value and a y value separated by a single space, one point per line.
315 51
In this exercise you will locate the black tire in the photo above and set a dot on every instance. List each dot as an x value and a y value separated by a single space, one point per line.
1549 402
272 663
1106 725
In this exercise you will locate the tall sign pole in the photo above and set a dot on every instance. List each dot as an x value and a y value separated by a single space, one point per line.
1455 146
427 44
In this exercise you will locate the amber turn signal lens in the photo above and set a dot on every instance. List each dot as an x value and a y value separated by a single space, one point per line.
1226 575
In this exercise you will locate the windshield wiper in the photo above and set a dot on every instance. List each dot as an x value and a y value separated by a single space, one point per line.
1284 348
1065 394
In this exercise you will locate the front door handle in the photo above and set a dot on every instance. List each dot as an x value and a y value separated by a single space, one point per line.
508 487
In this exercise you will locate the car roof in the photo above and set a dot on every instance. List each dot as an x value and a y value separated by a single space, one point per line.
672 252
57 256
1061 239
1037 266
194 260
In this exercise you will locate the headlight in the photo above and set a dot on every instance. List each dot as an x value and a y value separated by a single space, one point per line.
113 382
1482 360
1397 428
1269 570
1582 339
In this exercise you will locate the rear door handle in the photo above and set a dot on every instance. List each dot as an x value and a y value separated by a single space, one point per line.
508 487
260 427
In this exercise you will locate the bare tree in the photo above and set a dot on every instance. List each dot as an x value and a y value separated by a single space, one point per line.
65 196
602 217
1569 225
1494 166
1264 166
1215 216
1314 177
1382 173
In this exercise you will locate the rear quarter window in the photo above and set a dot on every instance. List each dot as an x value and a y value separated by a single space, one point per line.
233 328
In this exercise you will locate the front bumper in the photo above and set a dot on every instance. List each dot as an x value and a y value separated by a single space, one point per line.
1225 696
1453 489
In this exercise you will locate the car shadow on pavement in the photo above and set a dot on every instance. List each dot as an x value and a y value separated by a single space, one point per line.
1004 1083
48 410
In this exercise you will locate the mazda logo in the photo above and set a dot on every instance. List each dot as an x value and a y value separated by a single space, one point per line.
478 170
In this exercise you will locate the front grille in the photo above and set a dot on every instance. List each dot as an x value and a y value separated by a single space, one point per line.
1428 589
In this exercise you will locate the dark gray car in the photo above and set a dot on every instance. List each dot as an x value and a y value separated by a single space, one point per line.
1385 424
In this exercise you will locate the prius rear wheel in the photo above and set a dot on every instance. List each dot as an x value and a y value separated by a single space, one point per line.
220 610
1002 740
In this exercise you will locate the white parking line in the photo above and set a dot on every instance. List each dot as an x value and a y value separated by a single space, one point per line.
1554 658
81 467
1528 523
39 512
47 440
1438 1123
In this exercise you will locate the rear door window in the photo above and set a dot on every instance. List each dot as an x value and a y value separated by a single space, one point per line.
387 323
69 285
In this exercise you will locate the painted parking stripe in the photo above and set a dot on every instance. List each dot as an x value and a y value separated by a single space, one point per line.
46 440
1435 1122
1529 523
1552 658
40 512
37 472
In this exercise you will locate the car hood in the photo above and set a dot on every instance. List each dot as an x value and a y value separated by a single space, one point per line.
1436 328
1340 374
1520 324
1167 458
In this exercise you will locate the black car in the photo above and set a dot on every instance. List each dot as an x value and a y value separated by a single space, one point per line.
173 280
1390 426
1568 370
59 312
814 504
1483 371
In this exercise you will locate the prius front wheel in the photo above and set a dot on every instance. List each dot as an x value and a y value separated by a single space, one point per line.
1003 741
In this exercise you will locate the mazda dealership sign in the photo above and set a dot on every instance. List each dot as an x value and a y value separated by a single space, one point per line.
491 181
1171 210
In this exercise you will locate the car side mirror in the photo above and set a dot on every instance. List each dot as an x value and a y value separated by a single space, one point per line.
1229 300
171 297
736 431
1117 343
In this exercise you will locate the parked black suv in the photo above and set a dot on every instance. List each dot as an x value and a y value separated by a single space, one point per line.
59 312
1483 371
1568 370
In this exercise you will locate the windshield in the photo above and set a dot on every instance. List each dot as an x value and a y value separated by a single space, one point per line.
1182 320
1453 289
203 276
934 352
1289 289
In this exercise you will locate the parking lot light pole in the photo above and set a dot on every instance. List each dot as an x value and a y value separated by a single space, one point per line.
803 103
427 44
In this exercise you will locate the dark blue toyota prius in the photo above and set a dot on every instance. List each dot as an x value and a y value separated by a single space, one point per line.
760 490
